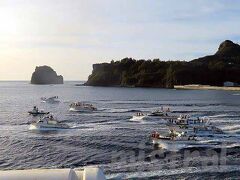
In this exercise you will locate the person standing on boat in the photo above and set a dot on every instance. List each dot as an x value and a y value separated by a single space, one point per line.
172 134
35 109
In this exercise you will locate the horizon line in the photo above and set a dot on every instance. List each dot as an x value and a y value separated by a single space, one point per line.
30 80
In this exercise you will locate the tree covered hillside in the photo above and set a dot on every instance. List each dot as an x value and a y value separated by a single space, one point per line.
223 66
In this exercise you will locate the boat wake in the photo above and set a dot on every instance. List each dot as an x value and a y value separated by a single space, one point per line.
137 119
31 128
231 128
223 116
121 110
237 94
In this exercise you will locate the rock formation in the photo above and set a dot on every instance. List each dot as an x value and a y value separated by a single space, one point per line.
45 75
228 48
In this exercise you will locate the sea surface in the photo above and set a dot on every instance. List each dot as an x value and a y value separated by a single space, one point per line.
110 139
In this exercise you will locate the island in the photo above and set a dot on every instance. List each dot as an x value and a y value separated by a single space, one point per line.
213 70
46 75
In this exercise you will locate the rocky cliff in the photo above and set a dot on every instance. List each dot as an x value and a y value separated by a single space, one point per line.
45 75
228 49
214 69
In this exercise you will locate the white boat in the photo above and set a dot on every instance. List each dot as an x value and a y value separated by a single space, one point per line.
48 123
52 100
138 117
185 122
207 131
160 112
174 140
85 173
164 113
82 107
36 112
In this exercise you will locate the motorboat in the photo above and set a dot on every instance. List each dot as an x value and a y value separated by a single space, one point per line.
207 131
185 122
36 112
164 113
53 99
48 123
160 112
138 117
174 140
82 107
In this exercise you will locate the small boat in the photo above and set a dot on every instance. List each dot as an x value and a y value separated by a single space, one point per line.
36 112
82 107
138 117
174 140
48 123
207 131
185 122
164 113
52 100
160 112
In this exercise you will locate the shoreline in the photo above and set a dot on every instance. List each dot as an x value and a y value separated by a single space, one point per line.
205 87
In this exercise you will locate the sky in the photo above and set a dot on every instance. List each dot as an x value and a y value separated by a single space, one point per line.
71 35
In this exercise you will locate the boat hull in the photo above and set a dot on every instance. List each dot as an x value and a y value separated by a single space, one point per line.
190 131
163 116
38 113
138 118
50 101
41 127
173 144
81 110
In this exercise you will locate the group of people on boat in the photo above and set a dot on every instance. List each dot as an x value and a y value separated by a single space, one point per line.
186 128
184 116
172 135
166 109
35 111
164 113
163 110
84 107
82 104
139 114
186 120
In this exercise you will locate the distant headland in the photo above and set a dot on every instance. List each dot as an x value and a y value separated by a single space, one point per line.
214 70
46 75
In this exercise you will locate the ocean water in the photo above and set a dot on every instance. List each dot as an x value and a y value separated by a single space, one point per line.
109 139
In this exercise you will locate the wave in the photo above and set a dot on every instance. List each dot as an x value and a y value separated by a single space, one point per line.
231 128
188 172
80 127
137 119
237 94
223 115
166 103
121 110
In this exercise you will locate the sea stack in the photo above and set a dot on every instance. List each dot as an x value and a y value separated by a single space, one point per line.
46 75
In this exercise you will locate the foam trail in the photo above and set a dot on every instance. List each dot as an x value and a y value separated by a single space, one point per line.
231 128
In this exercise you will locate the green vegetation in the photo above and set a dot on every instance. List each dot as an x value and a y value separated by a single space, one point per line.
210 70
